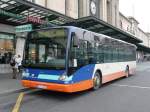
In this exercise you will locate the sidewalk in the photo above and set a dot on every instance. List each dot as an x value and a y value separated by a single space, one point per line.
9 85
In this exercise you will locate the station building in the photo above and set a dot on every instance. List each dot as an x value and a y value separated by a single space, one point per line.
130 25
100 16
106 10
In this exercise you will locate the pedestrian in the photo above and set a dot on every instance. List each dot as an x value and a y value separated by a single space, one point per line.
19 62
17 67
12 63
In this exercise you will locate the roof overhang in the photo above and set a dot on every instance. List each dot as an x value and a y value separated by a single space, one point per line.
99 26
19 12
143 48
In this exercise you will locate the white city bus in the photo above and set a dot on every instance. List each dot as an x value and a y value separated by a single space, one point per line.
80 59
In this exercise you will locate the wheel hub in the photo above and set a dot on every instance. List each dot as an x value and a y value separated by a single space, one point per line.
96 81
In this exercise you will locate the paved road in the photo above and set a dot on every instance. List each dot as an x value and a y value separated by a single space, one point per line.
124 95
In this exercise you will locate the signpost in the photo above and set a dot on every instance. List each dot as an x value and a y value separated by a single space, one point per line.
22 31
24 28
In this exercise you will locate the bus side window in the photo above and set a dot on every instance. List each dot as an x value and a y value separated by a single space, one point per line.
83 57
79 53
90 53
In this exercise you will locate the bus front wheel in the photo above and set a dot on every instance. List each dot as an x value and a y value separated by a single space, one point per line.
96 81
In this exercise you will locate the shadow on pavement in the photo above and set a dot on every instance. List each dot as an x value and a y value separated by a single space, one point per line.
58 95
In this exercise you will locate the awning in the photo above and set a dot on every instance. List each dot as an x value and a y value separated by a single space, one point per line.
96 25
18 12
143 48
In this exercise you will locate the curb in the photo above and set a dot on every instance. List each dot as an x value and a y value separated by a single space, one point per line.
14 91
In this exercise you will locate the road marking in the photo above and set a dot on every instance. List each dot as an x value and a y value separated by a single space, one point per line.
17 105
131 86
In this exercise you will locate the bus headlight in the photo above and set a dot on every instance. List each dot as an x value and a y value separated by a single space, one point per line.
24 74
63 76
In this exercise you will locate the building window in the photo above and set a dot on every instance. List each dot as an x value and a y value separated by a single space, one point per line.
6 48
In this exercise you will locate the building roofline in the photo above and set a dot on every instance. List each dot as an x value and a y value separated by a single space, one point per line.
142 31
130 17
125 17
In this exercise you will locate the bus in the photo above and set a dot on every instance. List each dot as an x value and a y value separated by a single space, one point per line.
70 59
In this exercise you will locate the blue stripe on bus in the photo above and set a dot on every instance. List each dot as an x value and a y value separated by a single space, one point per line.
43 71
45 75
84 73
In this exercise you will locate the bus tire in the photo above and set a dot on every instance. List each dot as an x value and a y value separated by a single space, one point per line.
127 72
96 81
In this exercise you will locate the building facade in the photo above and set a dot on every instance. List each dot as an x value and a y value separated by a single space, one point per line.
7 46
7 39
130 25
107 10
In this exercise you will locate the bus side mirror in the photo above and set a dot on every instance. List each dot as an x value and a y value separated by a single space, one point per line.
75 39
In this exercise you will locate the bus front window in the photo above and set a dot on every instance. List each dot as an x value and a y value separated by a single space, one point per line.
46 48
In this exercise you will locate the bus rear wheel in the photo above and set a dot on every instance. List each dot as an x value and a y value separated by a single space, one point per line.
96 81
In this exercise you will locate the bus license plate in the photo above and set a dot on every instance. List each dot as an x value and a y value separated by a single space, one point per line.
41 87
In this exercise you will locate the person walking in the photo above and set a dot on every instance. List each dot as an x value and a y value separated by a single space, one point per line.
17 67
12 63
19 62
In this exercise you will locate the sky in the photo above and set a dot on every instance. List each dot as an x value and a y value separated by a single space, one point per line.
139 9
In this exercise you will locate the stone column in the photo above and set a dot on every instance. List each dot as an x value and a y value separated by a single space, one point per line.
56 5
20 43
20 46
109 12
113 12
72 8
84 9
103 10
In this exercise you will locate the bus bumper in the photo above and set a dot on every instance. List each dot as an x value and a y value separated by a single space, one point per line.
69 88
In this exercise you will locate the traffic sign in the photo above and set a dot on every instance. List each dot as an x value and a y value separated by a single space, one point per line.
23 28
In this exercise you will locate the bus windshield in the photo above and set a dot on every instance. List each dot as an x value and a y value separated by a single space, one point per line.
46 48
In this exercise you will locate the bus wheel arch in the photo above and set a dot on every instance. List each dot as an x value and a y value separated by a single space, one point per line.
99 71
97 79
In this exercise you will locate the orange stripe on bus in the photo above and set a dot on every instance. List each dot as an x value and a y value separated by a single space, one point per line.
116 75
113 76
83 85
